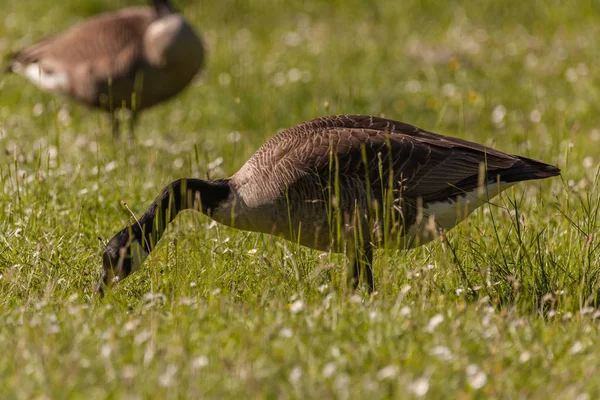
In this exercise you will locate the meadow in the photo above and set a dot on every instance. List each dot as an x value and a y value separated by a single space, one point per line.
505 306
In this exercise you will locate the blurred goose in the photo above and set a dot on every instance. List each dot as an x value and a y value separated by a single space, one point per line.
133 58
340 183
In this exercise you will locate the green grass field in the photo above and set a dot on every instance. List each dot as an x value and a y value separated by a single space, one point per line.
506 306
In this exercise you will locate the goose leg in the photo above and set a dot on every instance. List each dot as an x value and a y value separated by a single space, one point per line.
363 262
115 125
132 123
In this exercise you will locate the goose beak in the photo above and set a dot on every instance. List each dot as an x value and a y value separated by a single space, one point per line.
112 262
121 257
103 283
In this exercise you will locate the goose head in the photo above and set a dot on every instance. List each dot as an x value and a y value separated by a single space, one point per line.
163 7
122 255
128 249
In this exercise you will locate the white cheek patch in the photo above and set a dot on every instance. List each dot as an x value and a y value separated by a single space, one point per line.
54 81
166 26
138 254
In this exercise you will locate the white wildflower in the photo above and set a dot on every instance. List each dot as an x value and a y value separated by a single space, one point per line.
199 362
234 136
295 375
335 352
142 337
224 79
215 164
148 355
498 114
356 299
448 90
531 61
587 310
571 75
286 333
105 351
296 306
129 372
476 377
524 357
434 322
387 372
178 163
323 288
373 316
168 377
131 325
341 384
38 110
413 86
441 352
64 116
110 166
292 39
279 79
294 75
576 348
419 387
535 116
329 370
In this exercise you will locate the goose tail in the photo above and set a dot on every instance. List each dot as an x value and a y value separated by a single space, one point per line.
7 65
526 169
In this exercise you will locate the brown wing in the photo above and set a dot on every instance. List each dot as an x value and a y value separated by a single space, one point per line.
110 42
361 149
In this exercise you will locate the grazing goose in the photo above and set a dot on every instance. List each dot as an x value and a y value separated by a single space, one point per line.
133 58
359 178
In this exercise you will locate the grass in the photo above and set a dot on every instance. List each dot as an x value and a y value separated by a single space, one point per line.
506 306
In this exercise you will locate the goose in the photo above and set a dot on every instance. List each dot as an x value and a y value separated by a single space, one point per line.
360 178
133 58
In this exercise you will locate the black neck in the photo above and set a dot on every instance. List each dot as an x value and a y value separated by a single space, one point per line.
205 196
163 7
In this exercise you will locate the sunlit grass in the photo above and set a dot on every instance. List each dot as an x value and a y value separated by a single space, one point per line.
505 306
